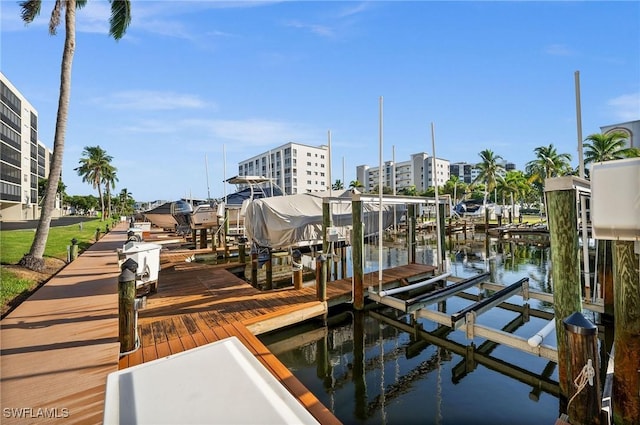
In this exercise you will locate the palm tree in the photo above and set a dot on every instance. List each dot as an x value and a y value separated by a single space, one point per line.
125 201
95 167
514 184
607 147
355 184
548 163
109 179
338 185
489 171
119 21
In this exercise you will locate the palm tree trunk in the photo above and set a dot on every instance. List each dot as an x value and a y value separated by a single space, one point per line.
101 202
34 260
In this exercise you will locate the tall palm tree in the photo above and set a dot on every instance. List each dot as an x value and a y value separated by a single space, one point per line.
606 147
109 179
548 163
489 171
119 21
125 201
95 168
514 184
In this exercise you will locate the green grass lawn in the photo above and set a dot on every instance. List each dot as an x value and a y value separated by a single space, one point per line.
15 243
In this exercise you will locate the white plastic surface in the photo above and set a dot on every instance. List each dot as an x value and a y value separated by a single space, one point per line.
147 255
615 199
218 383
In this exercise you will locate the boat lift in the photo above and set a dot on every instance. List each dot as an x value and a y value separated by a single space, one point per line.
465 319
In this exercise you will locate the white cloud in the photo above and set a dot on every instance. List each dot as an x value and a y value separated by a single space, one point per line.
321 30
626 107
151 101
253 131
558 50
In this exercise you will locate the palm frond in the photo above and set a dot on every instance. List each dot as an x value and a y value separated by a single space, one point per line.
30 9
120 18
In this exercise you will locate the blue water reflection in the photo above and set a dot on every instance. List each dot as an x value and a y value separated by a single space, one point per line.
382 367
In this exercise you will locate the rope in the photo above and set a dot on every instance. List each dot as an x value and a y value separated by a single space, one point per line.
585 376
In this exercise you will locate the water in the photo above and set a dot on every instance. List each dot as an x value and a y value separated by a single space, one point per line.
377 367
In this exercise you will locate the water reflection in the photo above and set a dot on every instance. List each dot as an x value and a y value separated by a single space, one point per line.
385 367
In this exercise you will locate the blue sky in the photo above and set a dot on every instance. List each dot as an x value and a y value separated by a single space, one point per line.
190 77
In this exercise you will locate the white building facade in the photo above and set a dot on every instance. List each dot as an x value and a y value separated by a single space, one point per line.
295 167
418 172
23 158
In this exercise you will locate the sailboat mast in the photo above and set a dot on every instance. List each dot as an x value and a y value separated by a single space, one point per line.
206 168
435 186
380 181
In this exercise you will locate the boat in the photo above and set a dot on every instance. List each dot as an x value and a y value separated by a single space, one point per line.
249 189
161 217
296 220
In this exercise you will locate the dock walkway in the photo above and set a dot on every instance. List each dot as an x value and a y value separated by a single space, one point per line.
59 346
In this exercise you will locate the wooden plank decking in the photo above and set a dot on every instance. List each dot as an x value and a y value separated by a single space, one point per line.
59 346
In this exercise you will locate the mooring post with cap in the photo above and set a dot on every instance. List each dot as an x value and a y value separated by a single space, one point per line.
126 306
74 249
583 371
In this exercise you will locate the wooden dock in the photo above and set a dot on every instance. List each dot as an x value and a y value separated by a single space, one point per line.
59 346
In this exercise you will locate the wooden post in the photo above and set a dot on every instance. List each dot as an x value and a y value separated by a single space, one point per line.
97 234
582 340
254 268
626 375
321 277
203 238
194 236
343 262
242 253
563 236
74 249
605 276
357 249
296 267
126 308
268 268
225 228
411 230
326 223
442 235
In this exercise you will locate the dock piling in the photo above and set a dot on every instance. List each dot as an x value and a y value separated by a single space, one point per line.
321 277
584 406
296 266
126 307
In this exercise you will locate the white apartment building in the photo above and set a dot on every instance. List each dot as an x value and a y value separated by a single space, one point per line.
295 167
400 175
23 158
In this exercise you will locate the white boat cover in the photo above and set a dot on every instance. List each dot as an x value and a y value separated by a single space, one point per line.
296 220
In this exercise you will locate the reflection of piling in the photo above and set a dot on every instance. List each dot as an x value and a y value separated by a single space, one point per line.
563 238
626 376
583 382
359 358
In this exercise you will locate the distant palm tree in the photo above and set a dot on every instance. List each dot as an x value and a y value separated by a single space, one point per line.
95 164
119 21
338 185
355 184
607 147
548 163
489 171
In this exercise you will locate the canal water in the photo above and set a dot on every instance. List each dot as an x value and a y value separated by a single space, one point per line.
379 367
